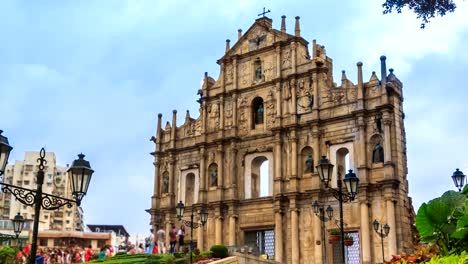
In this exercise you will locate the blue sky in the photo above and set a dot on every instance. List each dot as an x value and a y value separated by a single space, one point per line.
91 77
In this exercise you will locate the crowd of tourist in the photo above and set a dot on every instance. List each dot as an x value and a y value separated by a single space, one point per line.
79 254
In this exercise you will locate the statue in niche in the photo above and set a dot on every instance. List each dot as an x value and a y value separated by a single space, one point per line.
378 154
309 164
214 177
270 109
259 115
166 184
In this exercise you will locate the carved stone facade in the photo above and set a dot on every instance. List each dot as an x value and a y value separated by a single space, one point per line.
275 102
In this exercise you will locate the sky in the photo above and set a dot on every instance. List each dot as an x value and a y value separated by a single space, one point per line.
91 77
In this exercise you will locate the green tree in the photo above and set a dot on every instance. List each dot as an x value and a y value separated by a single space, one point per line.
425 9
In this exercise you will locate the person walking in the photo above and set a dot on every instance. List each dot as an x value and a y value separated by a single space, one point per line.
173 238
181 235
89 254
161 237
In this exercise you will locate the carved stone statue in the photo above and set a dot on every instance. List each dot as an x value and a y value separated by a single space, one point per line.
214 177
309 164
166 184
378 154
259 115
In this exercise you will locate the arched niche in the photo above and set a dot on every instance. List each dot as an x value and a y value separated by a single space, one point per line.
306 159
376 150
257 112
189 185
254 182
342 156
213 176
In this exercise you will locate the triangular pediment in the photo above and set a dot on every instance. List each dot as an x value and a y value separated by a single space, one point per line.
259 35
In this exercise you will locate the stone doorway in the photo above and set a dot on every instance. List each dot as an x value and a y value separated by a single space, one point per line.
262 242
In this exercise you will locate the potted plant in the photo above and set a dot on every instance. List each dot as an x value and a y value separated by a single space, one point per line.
348 240
334 236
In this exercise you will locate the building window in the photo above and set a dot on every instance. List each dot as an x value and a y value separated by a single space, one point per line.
26 182
46 217
49 184
50 176
68 221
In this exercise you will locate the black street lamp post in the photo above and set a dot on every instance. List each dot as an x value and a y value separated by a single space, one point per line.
324 215
80 176
382 232
459 179
203 218
351 181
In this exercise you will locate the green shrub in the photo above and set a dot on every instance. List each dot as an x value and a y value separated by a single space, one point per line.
206 254
7 254
179 254
335 233
219 251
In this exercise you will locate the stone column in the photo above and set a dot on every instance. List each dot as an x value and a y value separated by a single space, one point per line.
234 74
362 150
221 113
233 171
360 87
174 128
220 162
168 229
293 98
279 235
278 173
202 190
316 93
278 61
234 110
156 189
294 235
279 99
232 230
200 241
218 230
318 247
387 149
293 58
392 244
365 233
316 145
171 174
293 181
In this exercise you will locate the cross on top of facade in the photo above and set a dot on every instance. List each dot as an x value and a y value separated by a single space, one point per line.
264 12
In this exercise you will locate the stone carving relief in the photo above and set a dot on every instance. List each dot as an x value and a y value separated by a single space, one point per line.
286 58
304 96
213 116
242 108
271 109
189 129
244 74
229 73
268 70
228 114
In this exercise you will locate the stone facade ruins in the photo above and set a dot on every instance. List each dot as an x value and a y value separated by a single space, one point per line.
275 102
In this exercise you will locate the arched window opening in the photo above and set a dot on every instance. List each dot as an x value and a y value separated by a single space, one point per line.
213 172
257 111
260 177
307 158
165 182
189 188
343 162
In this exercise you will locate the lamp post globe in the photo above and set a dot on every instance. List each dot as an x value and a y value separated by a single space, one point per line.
316 207
329 211
203 215
351 181
376 225
325 170
80 174
180 209
18 224
5 150
386 229
458 179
